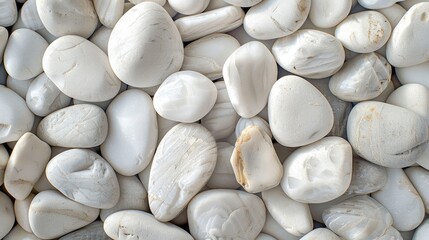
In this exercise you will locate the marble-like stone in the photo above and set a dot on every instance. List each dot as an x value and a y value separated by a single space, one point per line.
30 17
223 174
4 158
7 215
189 7
109 11
93 231
321 234
367 177
327 14
243 123
21 208
8 13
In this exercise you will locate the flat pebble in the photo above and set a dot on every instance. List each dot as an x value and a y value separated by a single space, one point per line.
321 234
135 224
372 130
26 164
367 177
327 14
185 96
77 126
109 11
21 208
323 55
53 215
7 215
93 231
419 177
173 182
359 217
189 7
249 73
80 69
210 210
8 13
318 172
130 149
223 174
141 53
289 111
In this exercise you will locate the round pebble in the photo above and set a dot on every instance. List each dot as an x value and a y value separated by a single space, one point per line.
7 215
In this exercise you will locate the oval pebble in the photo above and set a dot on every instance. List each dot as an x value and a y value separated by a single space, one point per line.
309 53
185 96
243 123
243 3
92 231
249 73
210 210
289 111
21 208
52 215
173 182
321 234
223 174
367 177
327 14
419 177
108 11
145 59
8 13
30 17
131 224
4 158
413 74
18 233
377 4
7 215
189 7
422 231
77 126
80 69
85 177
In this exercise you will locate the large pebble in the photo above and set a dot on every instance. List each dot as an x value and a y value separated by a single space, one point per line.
255 162
64 17
43 96
21 208
364 32
133 132
402 200
109 11
276 18
218 20
225 214
318 172
419 177
249 73
53 215
359 217
93 231
207 55
182 165
327 14
77 126
80 69
85 177
367 177
185 96
289 111
133 224
223 174
293 216
30 17
145 46
414 74
23 54
8 13
309 53
387 135
4 158
7 215
363 77
26 164
406 47
321 234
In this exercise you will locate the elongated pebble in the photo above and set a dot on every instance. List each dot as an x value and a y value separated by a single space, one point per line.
52 215
419 177
21 208
92 231
6 214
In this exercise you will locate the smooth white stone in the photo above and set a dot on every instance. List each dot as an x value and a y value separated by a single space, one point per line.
133 132
30 17
422 231
185 96
18 23
26 164
182 165
133 224
23 54
19 86
65 17
409 3
367 177
141 52
223 174
309 53
241 35
159 2
318 172
80 69
390 234
327 14
321 234
164 125
109 11
263 236
7 215
210 210
243 123
243 3
274 229
385 94
359 217
222 118
393 13
94 231
419 177
309 25
18 233
46 35
405 47
53 215
43 97
293 216
249 73
8 13
412 96
101 38
318 208
362 78
21 208
207 55
255 163
85 177
414 74
373 129
77 126
4 36
4 158
218 20
170 10
43 184
294 103
364 32
189 7
402 200
377 4
276 18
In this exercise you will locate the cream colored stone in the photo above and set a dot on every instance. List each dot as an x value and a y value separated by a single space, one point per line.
18 233
321 234
223 174
94 231
327 14
189 7
30 17
21 208
7 215
8 13
367 177
4 158
109 11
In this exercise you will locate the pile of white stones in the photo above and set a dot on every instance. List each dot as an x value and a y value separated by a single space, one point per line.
214 119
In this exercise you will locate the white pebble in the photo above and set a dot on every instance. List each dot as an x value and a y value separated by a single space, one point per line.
21 208
422 231
7 215
413 74
8 13
367 177
419 177
321 234
327 14
243 3
243 123
189 7
223 174
30 17
4 158
377 4
109 11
